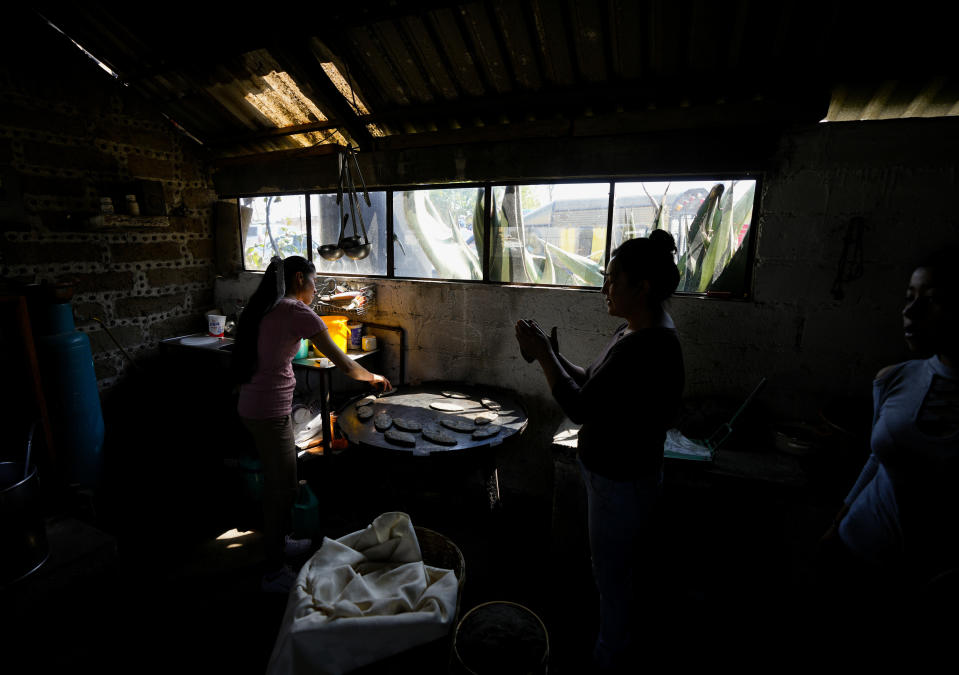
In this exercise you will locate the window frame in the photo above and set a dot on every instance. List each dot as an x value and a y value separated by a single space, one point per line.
489 185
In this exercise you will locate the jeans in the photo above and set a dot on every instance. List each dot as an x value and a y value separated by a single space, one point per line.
274 442
620 516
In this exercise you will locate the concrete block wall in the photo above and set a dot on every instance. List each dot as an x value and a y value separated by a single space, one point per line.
66 130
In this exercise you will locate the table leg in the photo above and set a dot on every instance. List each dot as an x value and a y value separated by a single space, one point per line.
492 484
325 386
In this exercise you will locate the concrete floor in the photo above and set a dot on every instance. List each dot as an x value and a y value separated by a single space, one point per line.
140 578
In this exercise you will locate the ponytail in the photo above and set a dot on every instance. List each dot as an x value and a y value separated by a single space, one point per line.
279 275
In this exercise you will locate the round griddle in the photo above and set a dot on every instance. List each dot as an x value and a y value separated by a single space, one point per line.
413 403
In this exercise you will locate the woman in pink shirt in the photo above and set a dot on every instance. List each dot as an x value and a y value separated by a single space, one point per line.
275 319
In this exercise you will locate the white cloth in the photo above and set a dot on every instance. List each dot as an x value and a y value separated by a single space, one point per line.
361 598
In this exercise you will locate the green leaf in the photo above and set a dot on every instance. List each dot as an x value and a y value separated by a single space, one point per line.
586 269
449 257
513 213
719 250
698 240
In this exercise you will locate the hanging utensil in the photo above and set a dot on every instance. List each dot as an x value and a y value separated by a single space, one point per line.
357 250
350 243
335 251
366 193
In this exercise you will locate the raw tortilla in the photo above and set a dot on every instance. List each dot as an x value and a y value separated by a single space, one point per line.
432 432
459 424
485 418
365 401
446 407
382 421
491 404
454 394
406 424
400 437
487 431
365 413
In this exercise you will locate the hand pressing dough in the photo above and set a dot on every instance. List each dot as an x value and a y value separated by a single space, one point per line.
459 424
382 421
487 431
400 437
406 424
432 432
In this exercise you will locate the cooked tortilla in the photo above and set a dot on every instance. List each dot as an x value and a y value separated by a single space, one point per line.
400 437
382 421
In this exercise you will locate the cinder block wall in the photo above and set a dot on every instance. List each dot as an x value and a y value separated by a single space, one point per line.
67 129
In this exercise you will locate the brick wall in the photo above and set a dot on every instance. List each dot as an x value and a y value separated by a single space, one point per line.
68 134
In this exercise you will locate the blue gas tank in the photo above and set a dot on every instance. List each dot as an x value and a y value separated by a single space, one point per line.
70 388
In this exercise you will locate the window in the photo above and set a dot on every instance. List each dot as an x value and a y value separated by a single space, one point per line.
709 221
552 234
438 233
326 226
272 225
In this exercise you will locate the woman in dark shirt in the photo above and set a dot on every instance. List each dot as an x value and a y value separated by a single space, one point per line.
625 400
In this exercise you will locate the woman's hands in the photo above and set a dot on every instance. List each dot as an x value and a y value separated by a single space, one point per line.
380 382
533 341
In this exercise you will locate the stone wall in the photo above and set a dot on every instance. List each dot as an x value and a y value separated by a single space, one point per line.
69 133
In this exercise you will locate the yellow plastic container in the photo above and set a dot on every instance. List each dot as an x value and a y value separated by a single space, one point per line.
336 325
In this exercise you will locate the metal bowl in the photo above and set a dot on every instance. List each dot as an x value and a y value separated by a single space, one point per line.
330 252
358 252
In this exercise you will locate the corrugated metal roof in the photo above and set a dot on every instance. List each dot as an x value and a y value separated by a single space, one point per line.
248 81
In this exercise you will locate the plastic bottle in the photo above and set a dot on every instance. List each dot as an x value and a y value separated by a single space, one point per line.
306 513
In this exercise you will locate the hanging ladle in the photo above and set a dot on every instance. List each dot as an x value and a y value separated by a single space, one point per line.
335 251
351 245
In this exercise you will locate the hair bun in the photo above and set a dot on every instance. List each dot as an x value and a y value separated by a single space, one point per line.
663 240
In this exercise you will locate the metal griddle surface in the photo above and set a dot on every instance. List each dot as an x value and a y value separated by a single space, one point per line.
413 403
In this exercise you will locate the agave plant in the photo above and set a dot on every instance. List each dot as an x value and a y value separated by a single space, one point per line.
712 240
440 239
713 237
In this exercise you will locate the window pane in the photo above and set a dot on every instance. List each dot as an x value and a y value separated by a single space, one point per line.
274 225
326 225
438 233
708 219
549 234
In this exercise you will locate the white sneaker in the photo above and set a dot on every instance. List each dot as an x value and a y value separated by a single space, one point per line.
294 547
280 581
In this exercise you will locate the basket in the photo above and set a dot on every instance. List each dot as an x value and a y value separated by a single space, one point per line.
329 303
435 656
440 551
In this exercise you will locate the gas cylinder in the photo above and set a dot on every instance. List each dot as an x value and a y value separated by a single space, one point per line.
70 388
306 513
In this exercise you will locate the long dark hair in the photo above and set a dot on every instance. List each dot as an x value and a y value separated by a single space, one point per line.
272 287
650 259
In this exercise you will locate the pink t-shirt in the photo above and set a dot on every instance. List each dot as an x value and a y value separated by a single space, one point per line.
270 392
